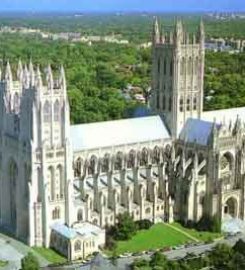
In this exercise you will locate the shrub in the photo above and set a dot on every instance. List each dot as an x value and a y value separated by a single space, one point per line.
144 224
29 262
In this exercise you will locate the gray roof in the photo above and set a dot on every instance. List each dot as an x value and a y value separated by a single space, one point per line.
119 132
196 131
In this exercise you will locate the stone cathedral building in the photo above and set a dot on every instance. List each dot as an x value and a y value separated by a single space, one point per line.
61 184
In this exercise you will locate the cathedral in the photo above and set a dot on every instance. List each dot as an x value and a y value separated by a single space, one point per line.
62 184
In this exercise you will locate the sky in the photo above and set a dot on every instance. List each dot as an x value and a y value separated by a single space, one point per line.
122 5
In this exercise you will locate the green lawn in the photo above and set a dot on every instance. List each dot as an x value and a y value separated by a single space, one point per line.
201 236
50 255
158 236
3 263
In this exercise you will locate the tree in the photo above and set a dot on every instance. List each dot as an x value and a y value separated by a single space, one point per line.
220 256
126 228
158 259
29 262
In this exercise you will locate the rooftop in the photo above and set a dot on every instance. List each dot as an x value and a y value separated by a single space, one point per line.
119 132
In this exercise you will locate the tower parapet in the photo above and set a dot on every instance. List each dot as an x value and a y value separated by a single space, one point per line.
177 75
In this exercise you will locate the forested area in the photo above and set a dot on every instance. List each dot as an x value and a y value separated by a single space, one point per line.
95 74
134 27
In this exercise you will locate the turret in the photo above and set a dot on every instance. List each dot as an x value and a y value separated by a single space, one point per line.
38 78
49 78
26 78
62 79
201 33
155 32
8 74
20 71
31 74
178 33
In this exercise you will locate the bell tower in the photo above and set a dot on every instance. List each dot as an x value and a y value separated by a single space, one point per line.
177 75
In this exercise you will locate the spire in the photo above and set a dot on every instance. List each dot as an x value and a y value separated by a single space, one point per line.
49 78
20 71
62 78
201 32
31 73
38 78
26 78
8 73
155 32
178 33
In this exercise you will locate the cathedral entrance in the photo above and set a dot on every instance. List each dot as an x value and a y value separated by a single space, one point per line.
230 207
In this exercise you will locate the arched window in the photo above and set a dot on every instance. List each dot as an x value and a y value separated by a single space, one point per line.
144 157
105 163
164 102
92 163
156 155
80 215
170 104
159 66
182 66
171 68
188 104
47 112
194 103
165 67
77 246
181 104
118 161
51 182
131 159
78 167
16 102
190 66
158 100
196 69
60 180
56 213
56 111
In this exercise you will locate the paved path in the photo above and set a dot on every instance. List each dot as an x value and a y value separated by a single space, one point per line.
183 232
13 251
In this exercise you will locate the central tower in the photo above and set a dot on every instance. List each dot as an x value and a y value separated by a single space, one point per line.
177 75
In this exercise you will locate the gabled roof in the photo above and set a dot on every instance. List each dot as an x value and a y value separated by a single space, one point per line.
196 131
225 115
119 132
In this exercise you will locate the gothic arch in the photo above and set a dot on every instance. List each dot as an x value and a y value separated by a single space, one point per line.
77 246
56 111
51 182
156 154
190 66
231 207
92 166
60 175
47 112
16 102
118 161
80 215
182 66
131 159
105 166
144 157
56 213
226 161
78 167
13 174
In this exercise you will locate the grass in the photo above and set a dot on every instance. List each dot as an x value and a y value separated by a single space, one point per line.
158 236
201 236
50 255
3 263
